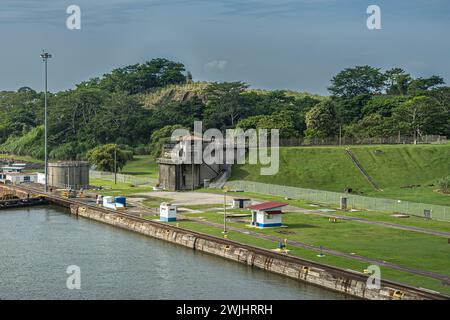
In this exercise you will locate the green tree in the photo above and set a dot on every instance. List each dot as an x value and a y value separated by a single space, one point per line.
422 115
374 125
20 112
420 85
139 78
161 137
184 113
357 81
397 81
383 105
321 121
106 156
442 96
283 121
225 104
349 109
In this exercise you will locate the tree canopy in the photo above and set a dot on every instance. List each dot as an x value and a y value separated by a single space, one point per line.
108 157
113 109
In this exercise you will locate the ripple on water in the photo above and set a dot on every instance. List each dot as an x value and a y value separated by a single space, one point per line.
38 244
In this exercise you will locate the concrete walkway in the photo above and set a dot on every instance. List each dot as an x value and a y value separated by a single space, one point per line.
190 198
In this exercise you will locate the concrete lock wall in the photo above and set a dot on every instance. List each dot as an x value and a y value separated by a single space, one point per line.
167 176
7 190
73 174
336 279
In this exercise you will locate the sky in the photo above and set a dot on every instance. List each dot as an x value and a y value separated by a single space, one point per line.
269 44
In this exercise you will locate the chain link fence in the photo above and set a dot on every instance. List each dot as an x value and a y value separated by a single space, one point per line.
125 178
337 141
436 212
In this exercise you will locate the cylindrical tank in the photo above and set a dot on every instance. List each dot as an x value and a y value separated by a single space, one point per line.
68 174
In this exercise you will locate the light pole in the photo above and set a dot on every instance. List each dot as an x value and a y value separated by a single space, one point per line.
225 190
115 164
45 56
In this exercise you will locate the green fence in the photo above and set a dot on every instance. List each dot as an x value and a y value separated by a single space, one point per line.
354 201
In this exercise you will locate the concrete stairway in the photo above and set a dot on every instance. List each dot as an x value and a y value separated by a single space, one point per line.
356 162
220 181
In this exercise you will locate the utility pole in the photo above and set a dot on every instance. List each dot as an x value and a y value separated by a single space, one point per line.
115 164
225 190
45 56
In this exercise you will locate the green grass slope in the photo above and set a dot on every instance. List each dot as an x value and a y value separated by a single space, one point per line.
392 167
145 166
407 172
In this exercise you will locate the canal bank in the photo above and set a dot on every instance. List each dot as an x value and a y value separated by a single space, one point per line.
39 243
336 279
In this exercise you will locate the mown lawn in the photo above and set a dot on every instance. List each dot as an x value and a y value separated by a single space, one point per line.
394 167
155 202
368 215
324 168
259 196
141 166
386 273
407 172
119 189
400 247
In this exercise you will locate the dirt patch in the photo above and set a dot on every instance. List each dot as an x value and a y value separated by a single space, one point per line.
190 198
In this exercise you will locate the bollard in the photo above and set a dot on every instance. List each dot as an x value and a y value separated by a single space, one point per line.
344 203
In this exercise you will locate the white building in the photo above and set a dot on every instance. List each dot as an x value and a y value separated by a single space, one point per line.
241 203
40 178
12 168
267 214
109 202
18 177
167 212
115 203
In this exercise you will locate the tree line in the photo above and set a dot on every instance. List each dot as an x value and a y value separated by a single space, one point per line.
110 110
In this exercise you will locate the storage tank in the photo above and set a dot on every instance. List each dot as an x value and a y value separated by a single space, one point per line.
68 174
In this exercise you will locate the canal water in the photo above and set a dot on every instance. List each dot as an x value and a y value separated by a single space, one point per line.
38 244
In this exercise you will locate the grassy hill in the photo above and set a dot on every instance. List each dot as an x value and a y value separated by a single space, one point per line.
185 92
403 172
174 93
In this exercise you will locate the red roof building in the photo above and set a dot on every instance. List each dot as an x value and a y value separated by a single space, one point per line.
267 214
268 205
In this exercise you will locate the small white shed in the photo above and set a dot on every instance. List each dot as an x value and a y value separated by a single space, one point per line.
19 177
267 214
109 202
167 212
241 203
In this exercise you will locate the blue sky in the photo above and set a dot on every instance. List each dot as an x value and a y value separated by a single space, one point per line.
276 44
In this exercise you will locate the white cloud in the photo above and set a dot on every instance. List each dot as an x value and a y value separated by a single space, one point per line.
216 65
